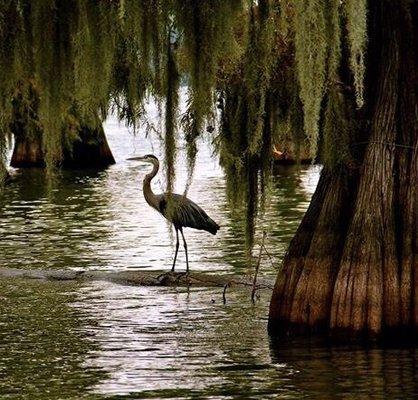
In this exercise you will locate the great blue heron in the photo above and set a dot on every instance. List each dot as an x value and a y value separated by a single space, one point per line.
178 209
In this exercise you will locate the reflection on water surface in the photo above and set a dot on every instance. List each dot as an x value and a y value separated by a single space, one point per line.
90 340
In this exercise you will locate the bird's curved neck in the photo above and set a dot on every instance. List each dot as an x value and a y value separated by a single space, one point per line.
148 193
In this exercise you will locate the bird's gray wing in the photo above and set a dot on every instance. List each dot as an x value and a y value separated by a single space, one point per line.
183 212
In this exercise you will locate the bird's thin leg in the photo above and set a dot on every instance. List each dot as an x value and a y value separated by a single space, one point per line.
177 249
185 249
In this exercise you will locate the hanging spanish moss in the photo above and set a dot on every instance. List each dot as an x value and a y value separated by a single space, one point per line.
287 115
206 28
11 31
262 103
139 62
290 125
356 16
95 41
260 62
171 111
61 54
246 108
335 127
26 127
191 133
318 58
311 55
52 47
333 32
337 130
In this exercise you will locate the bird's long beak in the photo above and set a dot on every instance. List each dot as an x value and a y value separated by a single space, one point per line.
136 158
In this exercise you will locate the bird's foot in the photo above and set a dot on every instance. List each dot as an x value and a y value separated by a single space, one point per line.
171 276
182 275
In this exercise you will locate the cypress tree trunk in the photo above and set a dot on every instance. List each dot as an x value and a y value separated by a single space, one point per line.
27 152
27 133
90 151
352 267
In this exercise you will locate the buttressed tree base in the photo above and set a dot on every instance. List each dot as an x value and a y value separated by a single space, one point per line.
90 150
352 268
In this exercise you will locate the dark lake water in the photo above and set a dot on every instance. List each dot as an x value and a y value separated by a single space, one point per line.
65 340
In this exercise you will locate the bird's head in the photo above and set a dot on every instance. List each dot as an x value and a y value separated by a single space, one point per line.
148 158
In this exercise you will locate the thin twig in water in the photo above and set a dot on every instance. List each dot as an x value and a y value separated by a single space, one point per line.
257 267
269 256
224 292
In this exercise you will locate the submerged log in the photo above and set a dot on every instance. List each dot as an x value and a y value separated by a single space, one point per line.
138 277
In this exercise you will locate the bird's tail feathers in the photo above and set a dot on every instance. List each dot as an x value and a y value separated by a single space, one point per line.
212 227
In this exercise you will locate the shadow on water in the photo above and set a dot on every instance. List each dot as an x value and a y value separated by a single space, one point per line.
330 371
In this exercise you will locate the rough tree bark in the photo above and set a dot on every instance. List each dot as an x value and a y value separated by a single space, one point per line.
352 267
